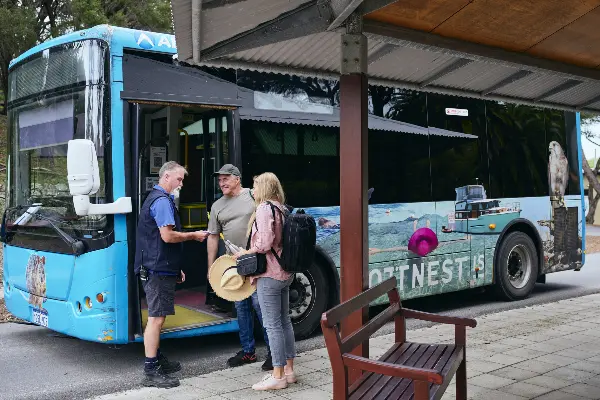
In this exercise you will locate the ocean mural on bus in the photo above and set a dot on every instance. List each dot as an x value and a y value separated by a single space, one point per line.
466 246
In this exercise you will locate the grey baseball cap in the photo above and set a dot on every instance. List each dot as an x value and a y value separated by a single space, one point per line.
228 169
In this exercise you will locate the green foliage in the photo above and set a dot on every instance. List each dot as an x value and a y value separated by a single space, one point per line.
153 15
24 23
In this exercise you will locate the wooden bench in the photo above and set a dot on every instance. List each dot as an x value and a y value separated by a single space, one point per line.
407 370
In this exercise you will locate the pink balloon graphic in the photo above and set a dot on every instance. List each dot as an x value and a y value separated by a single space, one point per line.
423 241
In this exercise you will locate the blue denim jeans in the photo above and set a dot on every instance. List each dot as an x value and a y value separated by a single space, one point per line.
274 297
246 322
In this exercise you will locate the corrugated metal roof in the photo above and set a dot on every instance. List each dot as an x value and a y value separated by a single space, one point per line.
249 112
398 58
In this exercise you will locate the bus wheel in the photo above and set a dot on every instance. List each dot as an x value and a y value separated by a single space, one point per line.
517 266
308 300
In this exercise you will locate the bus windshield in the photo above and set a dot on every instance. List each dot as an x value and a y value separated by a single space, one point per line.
56 95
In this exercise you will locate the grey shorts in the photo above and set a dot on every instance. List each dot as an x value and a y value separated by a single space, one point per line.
160 294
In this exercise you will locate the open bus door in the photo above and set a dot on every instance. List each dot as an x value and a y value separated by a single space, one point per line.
197 138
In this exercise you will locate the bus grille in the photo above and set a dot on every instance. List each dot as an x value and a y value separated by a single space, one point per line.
566 233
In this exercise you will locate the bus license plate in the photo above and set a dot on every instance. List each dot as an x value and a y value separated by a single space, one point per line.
40 317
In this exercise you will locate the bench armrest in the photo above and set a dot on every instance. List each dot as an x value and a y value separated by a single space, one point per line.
389 369
408 313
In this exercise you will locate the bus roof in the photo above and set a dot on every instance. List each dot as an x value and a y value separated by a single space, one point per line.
117 38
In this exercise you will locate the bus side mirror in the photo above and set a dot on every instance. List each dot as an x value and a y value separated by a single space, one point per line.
84 180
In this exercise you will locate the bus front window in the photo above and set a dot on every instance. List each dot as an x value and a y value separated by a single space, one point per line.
55 96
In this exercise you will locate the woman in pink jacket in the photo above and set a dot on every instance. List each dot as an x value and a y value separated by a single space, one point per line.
273 286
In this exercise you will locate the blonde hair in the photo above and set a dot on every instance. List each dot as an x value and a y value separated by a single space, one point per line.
267 188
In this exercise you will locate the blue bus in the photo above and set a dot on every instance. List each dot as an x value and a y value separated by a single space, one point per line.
464 192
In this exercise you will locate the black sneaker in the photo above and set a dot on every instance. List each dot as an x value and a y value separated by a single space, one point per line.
268 364
168 366
242 358
158 378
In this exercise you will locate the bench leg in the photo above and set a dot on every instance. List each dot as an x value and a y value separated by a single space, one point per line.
421 390
461 381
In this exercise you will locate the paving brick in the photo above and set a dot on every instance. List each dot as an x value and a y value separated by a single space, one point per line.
490 381
559 395
525 389
504 359
581 389
548 382
587 366
570 374
525 353
514 373
535 366
556 359
308 394
251 394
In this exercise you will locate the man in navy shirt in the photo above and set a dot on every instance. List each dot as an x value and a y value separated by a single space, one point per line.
158 263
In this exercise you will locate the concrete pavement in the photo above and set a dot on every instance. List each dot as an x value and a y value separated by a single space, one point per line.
543 352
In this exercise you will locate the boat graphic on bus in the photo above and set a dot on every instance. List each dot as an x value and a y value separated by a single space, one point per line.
476 214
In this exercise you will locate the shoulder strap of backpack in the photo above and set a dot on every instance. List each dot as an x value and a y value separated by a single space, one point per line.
273 207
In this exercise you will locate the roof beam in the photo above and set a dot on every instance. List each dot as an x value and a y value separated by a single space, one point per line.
309 18
571 83
458 64
507 81
380 53
368 6
588 103
342 10
428 41
399 84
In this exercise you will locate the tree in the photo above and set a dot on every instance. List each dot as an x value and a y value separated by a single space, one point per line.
25 23
588 120
17 35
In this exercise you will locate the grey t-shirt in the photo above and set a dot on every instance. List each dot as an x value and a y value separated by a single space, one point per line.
230 216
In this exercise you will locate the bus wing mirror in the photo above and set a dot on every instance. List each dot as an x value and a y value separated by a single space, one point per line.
84 180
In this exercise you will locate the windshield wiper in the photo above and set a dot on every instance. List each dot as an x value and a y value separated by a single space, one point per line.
5 236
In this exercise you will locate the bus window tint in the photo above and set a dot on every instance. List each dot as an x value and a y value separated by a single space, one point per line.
518 151
561 127
398 167
304 158
457 144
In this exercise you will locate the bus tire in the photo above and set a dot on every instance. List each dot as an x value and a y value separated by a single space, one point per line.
309 293
516 266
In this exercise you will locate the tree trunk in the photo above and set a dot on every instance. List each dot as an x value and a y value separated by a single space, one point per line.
592 210
594 185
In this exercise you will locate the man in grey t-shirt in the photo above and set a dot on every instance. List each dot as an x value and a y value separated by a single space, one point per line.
230 216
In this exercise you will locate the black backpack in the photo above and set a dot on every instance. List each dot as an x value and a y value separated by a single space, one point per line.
299 240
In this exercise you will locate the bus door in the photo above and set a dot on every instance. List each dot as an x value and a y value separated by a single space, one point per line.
197 138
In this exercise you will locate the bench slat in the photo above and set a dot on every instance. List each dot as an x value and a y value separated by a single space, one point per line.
430 363
405 388
397 386
449 369
376 382
397 347
339 312
364 333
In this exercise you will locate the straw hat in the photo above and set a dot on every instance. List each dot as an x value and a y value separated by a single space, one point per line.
226 282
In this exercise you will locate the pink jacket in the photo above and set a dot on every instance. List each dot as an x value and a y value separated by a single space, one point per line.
268 234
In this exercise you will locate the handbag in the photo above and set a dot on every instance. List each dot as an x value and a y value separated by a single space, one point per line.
251 264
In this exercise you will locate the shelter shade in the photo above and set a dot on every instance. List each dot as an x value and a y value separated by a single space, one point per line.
541 53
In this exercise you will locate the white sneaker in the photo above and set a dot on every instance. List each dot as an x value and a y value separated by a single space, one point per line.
291 378
269 382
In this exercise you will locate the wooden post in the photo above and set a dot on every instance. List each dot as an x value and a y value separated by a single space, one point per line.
353 184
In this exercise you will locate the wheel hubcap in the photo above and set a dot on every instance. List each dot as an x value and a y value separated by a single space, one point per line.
301 296
519 266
